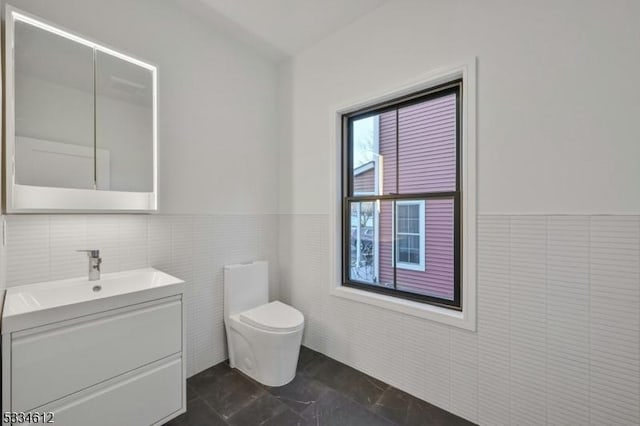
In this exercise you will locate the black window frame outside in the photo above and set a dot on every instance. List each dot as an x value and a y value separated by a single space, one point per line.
451 87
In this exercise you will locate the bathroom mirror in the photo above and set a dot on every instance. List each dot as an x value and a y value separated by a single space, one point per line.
81 122
124 124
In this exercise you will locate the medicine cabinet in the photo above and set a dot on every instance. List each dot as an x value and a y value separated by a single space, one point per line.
81 122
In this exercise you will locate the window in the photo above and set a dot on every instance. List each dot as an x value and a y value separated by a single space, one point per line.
401 197
410 235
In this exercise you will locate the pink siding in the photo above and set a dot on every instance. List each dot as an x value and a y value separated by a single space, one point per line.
427 146
437 279
386 241
364 182
427 159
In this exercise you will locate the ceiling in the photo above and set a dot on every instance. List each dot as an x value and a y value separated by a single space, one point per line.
290 26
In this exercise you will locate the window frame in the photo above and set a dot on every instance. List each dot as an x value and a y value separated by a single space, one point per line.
372 94
411 266
455 86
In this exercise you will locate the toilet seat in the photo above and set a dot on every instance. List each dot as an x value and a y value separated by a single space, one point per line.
274 316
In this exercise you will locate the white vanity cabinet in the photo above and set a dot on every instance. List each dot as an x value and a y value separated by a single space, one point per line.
112 355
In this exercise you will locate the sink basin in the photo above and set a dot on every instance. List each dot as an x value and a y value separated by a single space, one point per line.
59 300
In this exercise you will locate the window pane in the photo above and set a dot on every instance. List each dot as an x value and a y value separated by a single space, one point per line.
413 242
405 152
373 144
368 241
408 218
403 248
362 240
431 250
413 218
437 279
414 252
386 246
427 146
402 219
409 234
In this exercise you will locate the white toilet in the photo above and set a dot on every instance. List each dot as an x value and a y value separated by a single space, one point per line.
263 338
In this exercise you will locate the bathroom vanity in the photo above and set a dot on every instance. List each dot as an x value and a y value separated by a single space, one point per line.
80 130
107 352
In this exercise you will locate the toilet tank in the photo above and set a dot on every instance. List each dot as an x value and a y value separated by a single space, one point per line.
245 286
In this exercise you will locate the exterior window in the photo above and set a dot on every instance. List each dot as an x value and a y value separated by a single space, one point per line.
401 197
410 236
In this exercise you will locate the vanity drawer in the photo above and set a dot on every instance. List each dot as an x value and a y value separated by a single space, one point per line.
54 361
141 400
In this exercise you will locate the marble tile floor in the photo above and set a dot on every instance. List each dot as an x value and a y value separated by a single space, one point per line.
324 392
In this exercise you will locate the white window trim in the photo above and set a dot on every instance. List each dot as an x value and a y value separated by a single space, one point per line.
466 318
406 265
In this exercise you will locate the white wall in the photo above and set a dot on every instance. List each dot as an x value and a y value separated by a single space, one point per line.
558 338
217 123
218 156
558 99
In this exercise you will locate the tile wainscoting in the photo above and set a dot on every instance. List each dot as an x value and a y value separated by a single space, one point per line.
558 338
193 248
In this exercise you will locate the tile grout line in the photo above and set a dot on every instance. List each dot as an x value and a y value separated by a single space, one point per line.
49 266
449 403
589 311
509 321
380 397
546 320
213 409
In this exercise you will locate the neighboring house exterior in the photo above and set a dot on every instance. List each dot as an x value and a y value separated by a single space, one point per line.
426 135
365 182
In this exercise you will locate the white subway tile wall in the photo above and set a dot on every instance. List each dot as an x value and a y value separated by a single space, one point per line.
568 320
558 339
3 260
614 320
193 248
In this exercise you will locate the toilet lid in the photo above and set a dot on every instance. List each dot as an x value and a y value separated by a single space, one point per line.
274 316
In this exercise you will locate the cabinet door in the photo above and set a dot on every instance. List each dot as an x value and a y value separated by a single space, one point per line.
81 122
141 400
54 363
54 109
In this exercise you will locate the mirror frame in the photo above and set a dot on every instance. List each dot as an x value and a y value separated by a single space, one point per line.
40 199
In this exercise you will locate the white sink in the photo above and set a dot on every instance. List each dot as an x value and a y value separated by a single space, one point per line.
42 303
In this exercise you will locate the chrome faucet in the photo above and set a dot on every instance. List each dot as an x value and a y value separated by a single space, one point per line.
94 263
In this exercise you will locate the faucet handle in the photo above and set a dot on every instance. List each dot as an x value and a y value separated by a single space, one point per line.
91 253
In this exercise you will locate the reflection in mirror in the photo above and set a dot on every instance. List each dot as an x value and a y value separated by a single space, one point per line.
124 125
53 110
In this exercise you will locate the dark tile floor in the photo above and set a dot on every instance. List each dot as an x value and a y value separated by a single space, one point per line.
324 392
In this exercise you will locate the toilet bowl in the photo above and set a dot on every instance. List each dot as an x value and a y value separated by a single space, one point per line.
263 338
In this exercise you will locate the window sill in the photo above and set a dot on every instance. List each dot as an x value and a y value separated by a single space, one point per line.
410 267
407 307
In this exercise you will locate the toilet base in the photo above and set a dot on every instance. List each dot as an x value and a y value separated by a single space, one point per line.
270 358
